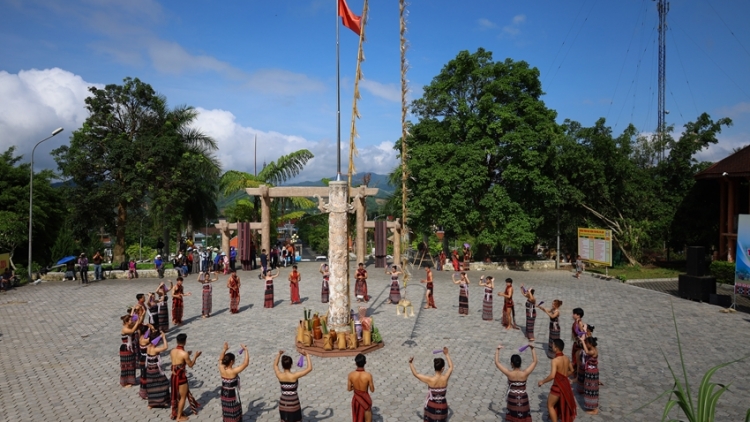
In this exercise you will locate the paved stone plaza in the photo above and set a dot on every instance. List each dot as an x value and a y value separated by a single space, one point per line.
59 343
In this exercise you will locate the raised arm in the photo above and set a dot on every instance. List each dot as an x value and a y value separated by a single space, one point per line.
423 378
499 365
164 345
449 371
223 352
245 362
190 363
308 368
534 361
276 363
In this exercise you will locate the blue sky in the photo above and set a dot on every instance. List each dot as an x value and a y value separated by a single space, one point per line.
267 69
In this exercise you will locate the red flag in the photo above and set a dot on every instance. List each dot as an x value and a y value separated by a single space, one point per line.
349 19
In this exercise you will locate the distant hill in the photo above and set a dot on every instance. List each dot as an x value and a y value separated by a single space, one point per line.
379 181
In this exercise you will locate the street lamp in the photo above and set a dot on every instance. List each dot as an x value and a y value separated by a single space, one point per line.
31 191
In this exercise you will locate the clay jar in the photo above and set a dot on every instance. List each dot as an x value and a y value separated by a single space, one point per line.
317 331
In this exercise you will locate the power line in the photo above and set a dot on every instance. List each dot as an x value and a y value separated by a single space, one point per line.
728 28
679 58
574 40
563 43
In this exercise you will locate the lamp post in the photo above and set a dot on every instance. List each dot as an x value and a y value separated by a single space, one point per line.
31 192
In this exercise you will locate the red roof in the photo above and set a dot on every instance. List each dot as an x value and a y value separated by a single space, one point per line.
735 165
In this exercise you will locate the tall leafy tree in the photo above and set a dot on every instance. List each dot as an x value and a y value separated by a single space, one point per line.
478 152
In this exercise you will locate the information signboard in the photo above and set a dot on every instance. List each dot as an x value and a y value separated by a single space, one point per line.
595 245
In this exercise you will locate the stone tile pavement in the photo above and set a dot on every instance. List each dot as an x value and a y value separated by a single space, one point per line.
59 342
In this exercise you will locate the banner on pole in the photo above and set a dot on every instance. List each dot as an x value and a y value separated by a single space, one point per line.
595 245
742 254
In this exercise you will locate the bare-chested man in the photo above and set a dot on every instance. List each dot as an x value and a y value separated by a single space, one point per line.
561 404
359 382
429 298
180 389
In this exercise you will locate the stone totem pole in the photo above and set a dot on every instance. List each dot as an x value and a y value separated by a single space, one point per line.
338 254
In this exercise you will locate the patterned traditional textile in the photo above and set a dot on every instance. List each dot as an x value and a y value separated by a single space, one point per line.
591 384
530 319
289 407
566 406
142 366
163 315
508 304
268 298
231 407
519 409
431 300
554 334
360 286
463 299
324 290
487 304
177 305
207 299
179 377
234 296
157 384
361 403
436 405
127 361
294 287
395 295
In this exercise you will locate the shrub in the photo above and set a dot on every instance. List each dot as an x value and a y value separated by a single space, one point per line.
723 271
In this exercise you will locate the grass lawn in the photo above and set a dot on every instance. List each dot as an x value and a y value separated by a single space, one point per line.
638 273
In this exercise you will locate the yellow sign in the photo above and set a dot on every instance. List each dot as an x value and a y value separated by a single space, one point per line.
4 261
595 245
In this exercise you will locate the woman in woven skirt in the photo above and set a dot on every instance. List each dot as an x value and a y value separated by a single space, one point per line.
289 406
163 306
128 350
590 386
157 384
143 342
205 279
268 295
530 312
554 324
395 295
233 284
231 407
436 406
324 289
489 284
519 409
463 293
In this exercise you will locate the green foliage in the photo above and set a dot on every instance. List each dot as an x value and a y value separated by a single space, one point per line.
313 230
376 337
723 271
701 408
135 252
64 245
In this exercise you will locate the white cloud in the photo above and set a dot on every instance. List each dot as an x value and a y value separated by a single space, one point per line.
236 148
734 111
485 23
514 28
34 103
390 92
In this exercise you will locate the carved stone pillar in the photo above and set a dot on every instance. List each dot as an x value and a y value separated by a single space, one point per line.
338 255
361 208
265 219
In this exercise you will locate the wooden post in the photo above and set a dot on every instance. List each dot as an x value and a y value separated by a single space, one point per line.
396 245
361 240
722 219
265 219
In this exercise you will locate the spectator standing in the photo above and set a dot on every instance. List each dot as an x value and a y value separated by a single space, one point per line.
232 258
132 269
83 267
253 257
263 260
159 265
98 259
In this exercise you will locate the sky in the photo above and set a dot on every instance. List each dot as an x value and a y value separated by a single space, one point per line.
267 69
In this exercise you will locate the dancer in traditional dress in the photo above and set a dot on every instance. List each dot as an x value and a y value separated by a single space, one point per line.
576 330
360 381
590 385
294 278
144 332
268 294
289 406
530 312
467 257
463 293
231 407
554 325
178 382
519 409
489 284
233 284
177 304
157 384
429 291
509 312
360 288
395 296
436 405
205 279
561 404
454 261
324 289
162 294
128 351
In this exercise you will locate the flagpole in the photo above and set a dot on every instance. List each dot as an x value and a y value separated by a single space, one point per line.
338 100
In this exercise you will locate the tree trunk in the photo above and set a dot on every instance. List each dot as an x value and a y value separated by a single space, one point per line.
122 216
165 239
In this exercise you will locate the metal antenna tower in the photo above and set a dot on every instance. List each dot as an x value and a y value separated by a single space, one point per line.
662 6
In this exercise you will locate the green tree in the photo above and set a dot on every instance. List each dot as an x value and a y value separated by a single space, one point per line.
49 209
478 151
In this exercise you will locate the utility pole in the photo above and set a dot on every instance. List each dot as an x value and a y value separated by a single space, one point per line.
662 6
